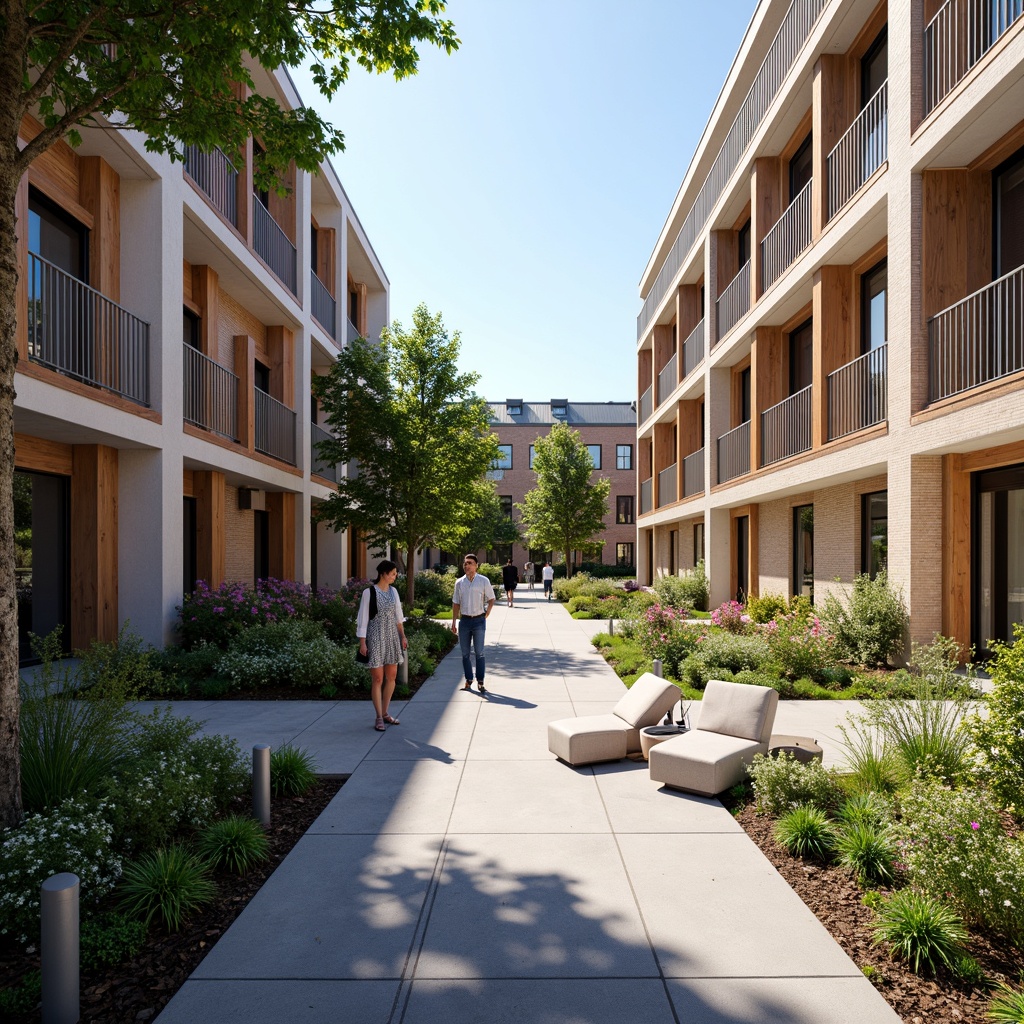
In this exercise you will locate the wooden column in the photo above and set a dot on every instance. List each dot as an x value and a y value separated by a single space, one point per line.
768 372
765 209
100 192
245 370
834 342
281 525
210 494
834 100
956 550
93 544
281 349
206 295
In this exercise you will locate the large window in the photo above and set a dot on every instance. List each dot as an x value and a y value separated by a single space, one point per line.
506 504
743 244
595 454
1009 214
874 532
57 237
874 67
624 554
803 551
801 357
624 509
623 456
873 309
698 543
504 459
801 168
742 557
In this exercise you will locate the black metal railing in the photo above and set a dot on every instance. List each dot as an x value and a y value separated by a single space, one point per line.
272 245
693 473
693 349
857 394
789 236
275 428
78 331
210 394
786 428
860 152
734 453
216 177
978 339
324 306
318 465
733 302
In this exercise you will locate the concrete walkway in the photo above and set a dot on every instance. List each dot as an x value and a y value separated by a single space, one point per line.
463 874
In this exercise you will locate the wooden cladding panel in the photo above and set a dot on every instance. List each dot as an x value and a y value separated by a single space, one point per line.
833 312
38 455
645 370
690 439
687 309
727 263
956 549
282 208
645 460
245 369
834 107
325 258
210 492
662 346
765 208
281 524
100 194
205 287
281 360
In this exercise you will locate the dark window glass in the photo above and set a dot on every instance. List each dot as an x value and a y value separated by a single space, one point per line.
698 543
742 557
623 456
744 398
57 236
874 532
675 338
801 357
624 554
506 504
743 244
260 544
314 261
353 307
624 509
190 328
801 168
1009 215
261 377
803 551
188 545
874 67
874 308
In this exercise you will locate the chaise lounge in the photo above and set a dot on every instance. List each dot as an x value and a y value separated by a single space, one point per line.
610 737
735 723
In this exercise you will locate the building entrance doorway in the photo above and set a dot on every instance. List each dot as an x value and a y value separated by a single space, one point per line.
997 556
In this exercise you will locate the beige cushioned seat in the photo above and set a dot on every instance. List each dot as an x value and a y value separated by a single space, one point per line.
609 737
735 723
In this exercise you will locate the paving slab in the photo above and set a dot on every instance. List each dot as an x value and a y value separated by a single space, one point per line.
520 736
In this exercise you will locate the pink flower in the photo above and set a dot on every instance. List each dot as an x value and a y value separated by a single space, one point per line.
975 826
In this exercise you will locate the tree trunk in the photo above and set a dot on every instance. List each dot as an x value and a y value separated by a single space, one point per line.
410 576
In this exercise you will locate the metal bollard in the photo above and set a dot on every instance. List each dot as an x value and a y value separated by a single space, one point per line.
261 783
656 667
611 627
59 949
403 671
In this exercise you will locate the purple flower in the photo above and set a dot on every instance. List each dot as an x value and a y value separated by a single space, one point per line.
975 826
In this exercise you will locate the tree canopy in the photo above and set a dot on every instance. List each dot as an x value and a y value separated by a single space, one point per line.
566 510
183 73
422 439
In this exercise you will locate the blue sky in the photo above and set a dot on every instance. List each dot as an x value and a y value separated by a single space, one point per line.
519 184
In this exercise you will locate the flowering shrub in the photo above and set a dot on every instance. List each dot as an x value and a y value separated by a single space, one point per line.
766 607
715 650
782 783
284 653
688 591
869 627
730 616
801 647
656 627
73 837
952 846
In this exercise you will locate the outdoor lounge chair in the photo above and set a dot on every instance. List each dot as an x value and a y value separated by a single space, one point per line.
610 737
735 723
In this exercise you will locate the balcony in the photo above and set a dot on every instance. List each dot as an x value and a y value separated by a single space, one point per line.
324 306
734 302
978 339
319 467
215 176
82 334
786 428
646 406
959 35
860 152
693 474
734 453
667 378
667 486
857 394
275 428
210 394
787 239
273 246
646 495
693 349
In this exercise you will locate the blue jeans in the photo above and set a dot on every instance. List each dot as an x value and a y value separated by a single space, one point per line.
473 630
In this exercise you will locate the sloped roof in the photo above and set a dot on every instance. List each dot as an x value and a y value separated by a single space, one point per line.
618 414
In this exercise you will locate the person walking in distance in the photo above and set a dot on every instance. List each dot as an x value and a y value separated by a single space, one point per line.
548 575
381 637
472 603
509 580
528 568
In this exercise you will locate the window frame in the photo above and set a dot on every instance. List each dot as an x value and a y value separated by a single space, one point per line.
868 292
867 561
625 509
799 561
622 548
624 452
590 451
503 463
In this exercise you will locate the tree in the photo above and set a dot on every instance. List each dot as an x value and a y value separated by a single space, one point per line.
493 527
565 510
422 439
171 71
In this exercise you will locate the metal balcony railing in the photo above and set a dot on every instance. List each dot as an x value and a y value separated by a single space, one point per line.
319 466
646 405
275 428
210 394
667 485
693 349
668 378
781 56
693 473
978 339
786 428
734 453
860 152
733 302
353 331
324 306
646 495
216 177
959 35
787 239
857 394
81 333
272 245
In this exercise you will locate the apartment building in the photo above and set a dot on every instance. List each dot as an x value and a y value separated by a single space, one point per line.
171 318
830 350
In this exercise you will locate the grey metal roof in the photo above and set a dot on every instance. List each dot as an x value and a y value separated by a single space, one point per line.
578 414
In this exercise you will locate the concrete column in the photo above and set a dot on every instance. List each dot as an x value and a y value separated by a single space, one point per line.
718 554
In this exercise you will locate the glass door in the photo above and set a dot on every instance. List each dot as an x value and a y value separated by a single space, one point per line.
998 556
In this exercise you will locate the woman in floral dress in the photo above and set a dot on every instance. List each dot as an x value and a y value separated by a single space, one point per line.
382 638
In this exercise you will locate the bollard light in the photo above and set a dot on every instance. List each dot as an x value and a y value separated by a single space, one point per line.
403 671
656 667
611 627
59 948
261 783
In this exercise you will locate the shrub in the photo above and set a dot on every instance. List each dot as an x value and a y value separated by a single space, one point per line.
766 607
866 850
655 627
869 629
1008 1006
716 650
782 783
235 843
806 831
24 997
999 738
872 767
439 638
953 846
168 885
801 647
294 653
181 670
110 939
583 603
583 585
292 771
434 590
731 617
418 654
72 837
688 591
868 808
920 930
126 668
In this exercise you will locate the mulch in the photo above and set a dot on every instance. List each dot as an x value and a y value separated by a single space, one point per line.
835 899
138 990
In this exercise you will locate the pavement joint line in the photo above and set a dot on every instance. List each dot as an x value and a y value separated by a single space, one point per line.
326 711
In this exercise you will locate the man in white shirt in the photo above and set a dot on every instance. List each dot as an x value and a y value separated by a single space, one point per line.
549 575
472 602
